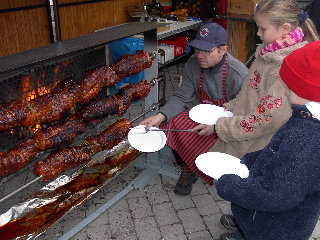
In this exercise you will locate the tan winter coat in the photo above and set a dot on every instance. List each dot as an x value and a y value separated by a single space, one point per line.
260 109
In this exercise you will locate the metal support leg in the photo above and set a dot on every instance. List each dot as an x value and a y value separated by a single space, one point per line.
161 162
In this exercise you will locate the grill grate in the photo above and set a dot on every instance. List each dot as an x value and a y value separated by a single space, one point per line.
48 75
40 79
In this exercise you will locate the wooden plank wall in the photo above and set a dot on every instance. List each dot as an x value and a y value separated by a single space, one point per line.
86 18
22 29
242 39
237 40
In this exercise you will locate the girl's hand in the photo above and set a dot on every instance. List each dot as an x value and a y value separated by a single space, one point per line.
204 130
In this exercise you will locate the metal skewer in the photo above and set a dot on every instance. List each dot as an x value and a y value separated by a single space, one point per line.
145 130
150 109
20 189
169 130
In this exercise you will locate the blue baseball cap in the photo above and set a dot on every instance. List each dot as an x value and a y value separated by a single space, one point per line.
209 36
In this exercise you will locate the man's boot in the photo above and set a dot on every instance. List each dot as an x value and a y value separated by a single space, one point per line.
186 179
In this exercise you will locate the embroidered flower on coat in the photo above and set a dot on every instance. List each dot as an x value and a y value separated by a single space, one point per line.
262 115
255 80
269 106
266 98
252 119
246 126
266 120
278 102
261 109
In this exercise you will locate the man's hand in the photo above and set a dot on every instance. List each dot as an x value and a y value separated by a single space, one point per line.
153 121
204 130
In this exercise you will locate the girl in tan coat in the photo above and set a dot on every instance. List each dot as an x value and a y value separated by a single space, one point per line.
261 107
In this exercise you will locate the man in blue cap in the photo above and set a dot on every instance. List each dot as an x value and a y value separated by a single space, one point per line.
211 76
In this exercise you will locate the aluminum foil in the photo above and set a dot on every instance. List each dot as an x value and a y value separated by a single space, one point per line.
32 217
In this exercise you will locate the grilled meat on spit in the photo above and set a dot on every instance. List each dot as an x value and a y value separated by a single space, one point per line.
94 81
45 108
59 134
51 107
63 133
108 76
66 158
133 92
18 157
110 137
61 160
133 64
13 114
118 103
100 108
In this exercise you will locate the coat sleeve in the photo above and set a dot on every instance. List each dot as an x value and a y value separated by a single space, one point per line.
281 184
267 116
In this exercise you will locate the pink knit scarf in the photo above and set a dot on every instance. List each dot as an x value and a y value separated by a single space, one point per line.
287 40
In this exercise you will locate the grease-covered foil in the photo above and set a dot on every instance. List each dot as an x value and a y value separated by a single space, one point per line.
32 217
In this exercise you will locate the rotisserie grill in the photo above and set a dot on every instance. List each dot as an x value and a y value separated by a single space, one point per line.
60 125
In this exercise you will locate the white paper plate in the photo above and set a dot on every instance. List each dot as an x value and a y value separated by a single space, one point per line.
208 113
215 164
151 141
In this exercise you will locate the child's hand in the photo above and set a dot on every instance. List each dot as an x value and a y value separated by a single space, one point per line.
204 130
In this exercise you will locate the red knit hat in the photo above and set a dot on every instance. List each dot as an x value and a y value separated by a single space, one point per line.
300 71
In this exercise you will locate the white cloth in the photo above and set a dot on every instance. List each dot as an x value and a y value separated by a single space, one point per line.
314 108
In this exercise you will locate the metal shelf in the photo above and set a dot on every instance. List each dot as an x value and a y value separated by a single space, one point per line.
178 27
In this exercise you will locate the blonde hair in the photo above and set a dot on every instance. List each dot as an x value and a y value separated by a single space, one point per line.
287 11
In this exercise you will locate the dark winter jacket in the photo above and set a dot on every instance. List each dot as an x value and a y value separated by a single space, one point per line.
280 200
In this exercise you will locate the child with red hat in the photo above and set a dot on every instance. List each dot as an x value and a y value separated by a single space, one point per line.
281 197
